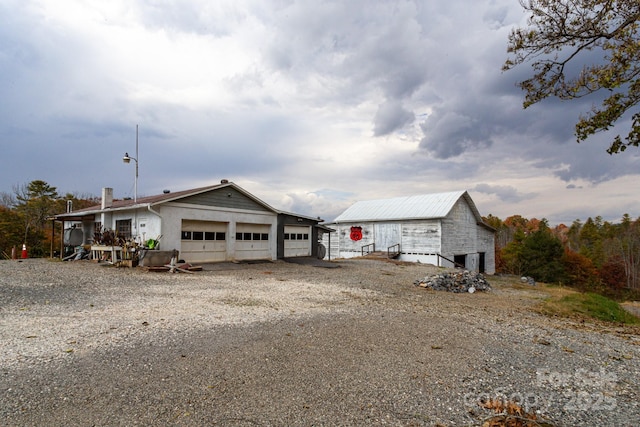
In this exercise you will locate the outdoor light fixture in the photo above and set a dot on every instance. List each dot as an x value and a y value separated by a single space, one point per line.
127 159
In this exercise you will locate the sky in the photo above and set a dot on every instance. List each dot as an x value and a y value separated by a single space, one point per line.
308 105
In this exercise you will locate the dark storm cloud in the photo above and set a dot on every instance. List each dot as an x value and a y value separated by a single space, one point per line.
505 193
390 117
290 95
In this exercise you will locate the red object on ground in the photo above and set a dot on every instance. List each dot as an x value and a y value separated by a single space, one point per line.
24 251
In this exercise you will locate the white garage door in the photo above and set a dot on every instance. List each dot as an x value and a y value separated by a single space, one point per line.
253 241
297 241
203 241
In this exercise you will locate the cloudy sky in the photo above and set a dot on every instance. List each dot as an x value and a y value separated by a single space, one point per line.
309 105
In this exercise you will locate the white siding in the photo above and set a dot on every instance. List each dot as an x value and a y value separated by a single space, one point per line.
173 215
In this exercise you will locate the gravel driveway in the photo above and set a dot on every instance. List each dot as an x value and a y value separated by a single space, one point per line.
282 344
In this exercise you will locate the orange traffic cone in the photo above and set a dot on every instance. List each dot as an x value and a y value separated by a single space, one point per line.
24 251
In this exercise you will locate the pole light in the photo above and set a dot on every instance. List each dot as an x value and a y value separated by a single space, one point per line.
127 159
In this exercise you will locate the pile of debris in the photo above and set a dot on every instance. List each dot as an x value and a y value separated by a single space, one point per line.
458 281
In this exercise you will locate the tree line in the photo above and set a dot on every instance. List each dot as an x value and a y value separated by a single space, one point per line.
594 255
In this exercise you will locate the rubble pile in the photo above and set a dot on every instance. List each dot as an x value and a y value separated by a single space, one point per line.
458 281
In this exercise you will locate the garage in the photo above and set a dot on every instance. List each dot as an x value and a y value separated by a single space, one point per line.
203 241
252 241
297 241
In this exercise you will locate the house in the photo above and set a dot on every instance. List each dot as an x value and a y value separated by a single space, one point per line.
443 229
221 222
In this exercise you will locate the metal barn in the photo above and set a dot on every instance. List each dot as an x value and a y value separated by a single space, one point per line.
443 229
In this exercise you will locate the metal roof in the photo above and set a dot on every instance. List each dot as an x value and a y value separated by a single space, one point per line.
427 206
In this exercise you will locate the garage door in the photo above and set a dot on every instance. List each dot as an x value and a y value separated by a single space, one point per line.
253 241
203 241
297 241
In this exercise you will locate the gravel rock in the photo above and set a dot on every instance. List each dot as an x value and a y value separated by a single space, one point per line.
455 281
277 344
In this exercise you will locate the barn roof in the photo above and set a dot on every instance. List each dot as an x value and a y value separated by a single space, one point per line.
426 206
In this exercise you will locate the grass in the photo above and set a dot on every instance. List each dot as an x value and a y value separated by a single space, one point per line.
568 303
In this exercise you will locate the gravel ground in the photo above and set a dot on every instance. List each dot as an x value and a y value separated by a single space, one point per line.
277 344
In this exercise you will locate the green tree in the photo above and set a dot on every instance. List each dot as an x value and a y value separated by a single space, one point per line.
542 254
577 48
35 203
591 241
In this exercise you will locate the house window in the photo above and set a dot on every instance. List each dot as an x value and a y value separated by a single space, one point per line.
123 228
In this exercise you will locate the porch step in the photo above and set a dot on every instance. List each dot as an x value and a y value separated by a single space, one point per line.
381 255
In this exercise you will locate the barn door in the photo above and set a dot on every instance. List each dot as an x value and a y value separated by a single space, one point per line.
386 235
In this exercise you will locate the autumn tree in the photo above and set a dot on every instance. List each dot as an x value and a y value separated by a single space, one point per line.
10 231
579 271
581 47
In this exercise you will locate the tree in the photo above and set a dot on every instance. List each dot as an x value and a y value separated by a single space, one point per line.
579 271
10 231
35 203
511 255
542 255
562 37
591 241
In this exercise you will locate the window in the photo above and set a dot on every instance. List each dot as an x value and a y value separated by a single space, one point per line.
209 235
305 236
198 235
286 236
238 236
220 235
246 236
186 235
123 228
265 236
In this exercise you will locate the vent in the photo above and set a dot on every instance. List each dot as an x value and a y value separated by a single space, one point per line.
224 181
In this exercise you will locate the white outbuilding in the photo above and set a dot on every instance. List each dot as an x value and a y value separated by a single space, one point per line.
221 222
443 229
